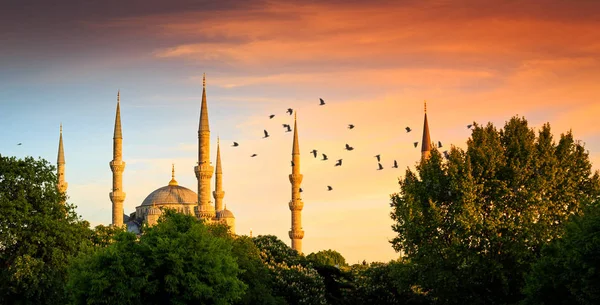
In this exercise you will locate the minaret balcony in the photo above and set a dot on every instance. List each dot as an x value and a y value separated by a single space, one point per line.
299 234
296 178
296 205
117 196
219 194
117 166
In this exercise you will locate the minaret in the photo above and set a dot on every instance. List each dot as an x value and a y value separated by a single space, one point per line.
426 141
204 170
117 196
218 192
296 204
61 185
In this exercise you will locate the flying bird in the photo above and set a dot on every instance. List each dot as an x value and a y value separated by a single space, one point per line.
324 157
314 152
380 167
235 144
271 116
439 144
290 111
254 155
350 126
446 155
293 163
378 158
288 127
408 129
322 102
266 134
329 188
469 126
416 143
395 164
20 144
349 148
339 162
300 190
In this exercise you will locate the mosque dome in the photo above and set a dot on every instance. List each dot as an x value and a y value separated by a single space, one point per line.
225 213
171 194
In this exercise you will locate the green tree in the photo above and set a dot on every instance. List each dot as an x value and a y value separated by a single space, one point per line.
327 257
38 234
568 271
473 224
254 273
177 261
294 278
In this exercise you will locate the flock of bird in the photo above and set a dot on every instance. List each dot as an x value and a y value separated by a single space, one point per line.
347 147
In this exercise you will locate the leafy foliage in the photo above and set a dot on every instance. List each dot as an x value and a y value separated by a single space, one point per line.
38 234
567 272
294 279
177 261
327 257
472 225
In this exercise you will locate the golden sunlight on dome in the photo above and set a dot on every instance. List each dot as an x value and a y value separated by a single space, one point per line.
172 194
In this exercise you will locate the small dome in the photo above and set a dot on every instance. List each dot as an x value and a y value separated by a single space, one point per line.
171 194
225 213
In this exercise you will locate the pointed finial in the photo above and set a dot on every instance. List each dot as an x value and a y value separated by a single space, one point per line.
173 181
60 127
218 140
425 106
203 80
118 95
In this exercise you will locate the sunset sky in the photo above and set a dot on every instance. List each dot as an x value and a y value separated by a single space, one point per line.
373 62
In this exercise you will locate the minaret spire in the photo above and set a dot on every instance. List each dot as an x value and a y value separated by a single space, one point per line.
426 141
173 182
204 170
117 166
218 193
296 233
61 185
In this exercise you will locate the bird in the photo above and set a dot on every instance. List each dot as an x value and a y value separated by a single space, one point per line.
408 129
293 163
416 143
380 167
469 126
20 144
329 188
322 102
350 126
271 116
439 144
395 164
324 157
266 134
314 152
290 111
378 158
254 155
446 155
348 147
288 127
339 162
300 190
235 144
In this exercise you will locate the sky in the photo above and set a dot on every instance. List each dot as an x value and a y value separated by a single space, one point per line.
373 62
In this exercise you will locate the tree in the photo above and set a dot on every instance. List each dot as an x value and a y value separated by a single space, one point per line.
177 261
38 234
567 272
473 224
327 257
254 273
294 278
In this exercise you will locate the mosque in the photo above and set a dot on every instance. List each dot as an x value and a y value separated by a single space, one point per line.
184 200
